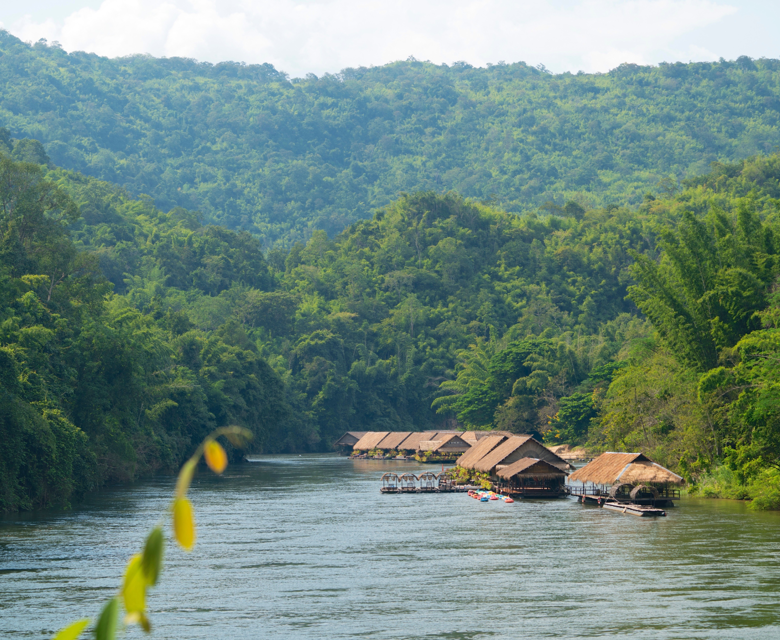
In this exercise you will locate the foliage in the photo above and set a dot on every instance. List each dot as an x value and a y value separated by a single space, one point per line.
254 150
439 312
95 388
143 569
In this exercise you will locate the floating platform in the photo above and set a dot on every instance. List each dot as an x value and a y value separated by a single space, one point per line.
599 499
453 489
639 510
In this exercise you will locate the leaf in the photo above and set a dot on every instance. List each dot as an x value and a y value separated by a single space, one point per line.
184 523
151 561
134 586
215 456
73 631
106 624
185 477
238 436
139 617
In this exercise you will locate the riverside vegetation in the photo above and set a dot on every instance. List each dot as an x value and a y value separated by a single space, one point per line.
128 333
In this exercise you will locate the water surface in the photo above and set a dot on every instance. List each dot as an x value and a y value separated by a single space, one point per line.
306 547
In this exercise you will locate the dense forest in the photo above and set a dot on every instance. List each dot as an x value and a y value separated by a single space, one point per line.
127 333
254 150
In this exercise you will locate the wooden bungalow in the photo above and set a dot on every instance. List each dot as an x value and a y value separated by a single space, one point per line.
513 449
626 477
479 450
446 448
369 441
532 478
346 442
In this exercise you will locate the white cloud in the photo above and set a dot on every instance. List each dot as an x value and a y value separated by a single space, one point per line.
301 36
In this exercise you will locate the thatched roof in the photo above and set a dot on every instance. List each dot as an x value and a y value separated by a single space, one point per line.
370 440
412 442
649 472
350 437
610 468
450 442
393 439
500 453
483 447
470 436
530 467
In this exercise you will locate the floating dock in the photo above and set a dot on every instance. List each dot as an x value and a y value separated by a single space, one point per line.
639 510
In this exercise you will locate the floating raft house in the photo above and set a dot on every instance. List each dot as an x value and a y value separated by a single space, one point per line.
348 440
370 440
447 446
393 440
626 478
532 478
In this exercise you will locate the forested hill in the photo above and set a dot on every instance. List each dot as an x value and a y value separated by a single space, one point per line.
127 332
254 150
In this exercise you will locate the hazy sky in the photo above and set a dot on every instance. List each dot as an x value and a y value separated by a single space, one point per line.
319 36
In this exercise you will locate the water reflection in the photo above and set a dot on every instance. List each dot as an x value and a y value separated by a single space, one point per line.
307 547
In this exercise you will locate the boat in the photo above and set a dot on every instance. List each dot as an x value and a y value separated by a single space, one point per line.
633 509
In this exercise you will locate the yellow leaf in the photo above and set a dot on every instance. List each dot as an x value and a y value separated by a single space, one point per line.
215 456
134 587
72 631
139 617
185 477
184 523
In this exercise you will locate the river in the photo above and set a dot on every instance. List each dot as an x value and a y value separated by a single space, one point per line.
306 547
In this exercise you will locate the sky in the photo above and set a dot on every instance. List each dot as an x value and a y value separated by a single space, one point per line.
325 36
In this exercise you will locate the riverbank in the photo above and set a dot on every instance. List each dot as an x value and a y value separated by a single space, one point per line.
761 490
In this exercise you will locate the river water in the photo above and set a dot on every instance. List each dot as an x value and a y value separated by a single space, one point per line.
306 547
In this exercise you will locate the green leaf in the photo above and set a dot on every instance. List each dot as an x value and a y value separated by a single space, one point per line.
153 556
73 631
109 617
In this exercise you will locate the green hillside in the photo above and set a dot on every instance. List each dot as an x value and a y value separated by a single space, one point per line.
127 332
253 150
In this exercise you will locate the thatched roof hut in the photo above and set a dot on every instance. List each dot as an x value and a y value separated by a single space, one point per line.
629 468
515 448
499 455
479 450
412 442
392 440
449 443
349 439
370 440
530 467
